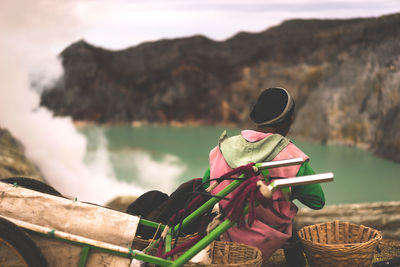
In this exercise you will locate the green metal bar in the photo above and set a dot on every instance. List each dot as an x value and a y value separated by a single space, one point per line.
190 253
210 203
168 241
205 241
151 224
84 256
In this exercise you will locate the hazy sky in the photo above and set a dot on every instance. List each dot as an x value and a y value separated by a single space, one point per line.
121 23
117 24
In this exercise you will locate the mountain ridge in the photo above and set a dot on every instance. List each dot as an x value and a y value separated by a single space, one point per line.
344 75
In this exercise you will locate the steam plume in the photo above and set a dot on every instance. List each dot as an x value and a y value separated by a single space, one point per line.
32 33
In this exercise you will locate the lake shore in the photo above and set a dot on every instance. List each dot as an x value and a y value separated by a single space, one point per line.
197 123
173 123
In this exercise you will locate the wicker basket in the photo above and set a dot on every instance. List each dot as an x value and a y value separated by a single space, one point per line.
339 244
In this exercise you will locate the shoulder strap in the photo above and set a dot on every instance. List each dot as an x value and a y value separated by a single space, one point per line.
237 151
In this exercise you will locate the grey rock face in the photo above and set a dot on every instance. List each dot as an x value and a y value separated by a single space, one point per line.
13 161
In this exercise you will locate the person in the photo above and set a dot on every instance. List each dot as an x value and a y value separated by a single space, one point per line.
273 115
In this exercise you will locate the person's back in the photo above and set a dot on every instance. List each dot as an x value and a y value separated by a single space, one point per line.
273 114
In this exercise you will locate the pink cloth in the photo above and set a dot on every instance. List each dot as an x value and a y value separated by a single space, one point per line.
273 226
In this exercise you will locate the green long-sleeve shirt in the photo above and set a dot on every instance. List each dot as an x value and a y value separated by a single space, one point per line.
310 195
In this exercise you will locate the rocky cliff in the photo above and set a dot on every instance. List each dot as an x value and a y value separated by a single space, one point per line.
13 161
344 75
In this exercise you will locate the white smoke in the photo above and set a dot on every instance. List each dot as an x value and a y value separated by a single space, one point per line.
31 33
157 174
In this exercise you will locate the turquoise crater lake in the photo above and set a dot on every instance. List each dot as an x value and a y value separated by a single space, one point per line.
162 157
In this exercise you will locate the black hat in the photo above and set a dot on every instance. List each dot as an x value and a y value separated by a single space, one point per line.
273 106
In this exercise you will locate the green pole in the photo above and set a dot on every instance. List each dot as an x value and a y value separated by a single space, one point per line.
151 224
168 241
210 203
214 234
190 253
84 256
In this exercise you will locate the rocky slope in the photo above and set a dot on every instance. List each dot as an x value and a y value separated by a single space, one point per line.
344 75
13 161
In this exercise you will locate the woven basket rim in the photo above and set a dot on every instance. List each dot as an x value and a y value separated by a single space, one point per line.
377 236
342 253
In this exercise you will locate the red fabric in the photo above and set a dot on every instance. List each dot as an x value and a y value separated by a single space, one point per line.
243 194
246 193
160 247
189 243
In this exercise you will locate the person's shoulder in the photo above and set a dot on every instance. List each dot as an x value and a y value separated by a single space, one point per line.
294 152
214 150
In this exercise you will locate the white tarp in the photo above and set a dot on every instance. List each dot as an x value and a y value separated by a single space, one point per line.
72 217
